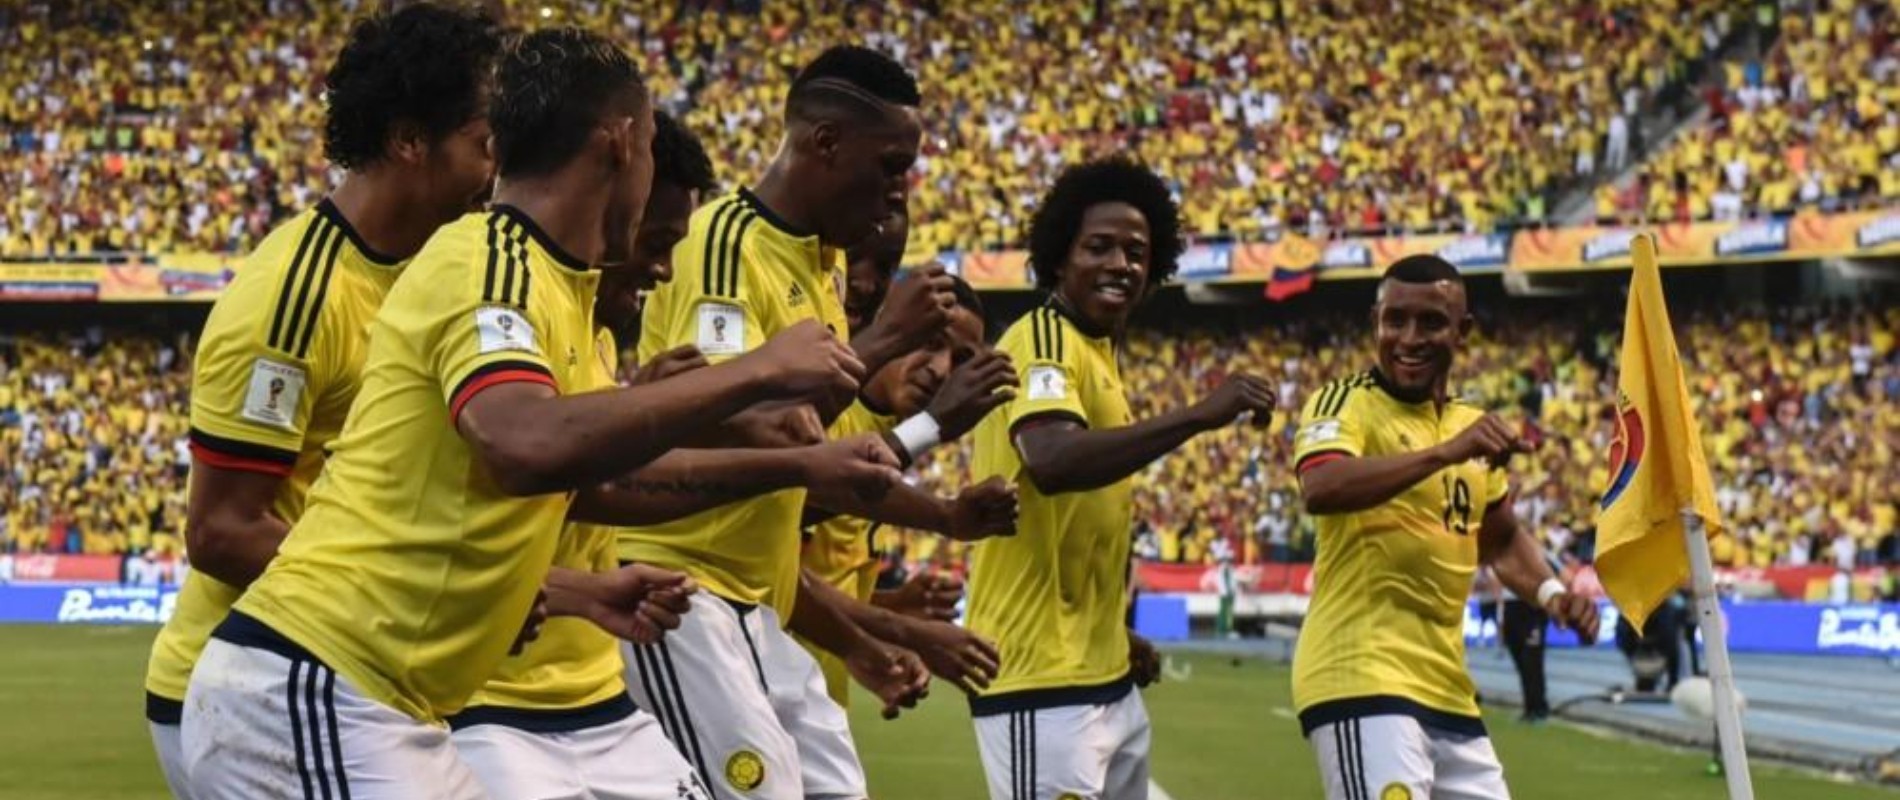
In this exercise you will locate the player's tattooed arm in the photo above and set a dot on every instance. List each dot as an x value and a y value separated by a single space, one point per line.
229 526
686 482
978 512
1351 484
1061 455
535 441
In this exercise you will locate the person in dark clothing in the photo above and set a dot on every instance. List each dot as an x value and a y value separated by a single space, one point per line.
1523 629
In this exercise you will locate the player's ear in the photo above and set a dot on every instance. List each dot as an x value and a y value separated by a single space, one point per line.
826 140
408 143
619 133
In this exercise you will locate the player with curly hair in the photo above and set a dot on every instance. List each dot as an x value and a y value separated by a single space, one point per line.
1063 717
282 354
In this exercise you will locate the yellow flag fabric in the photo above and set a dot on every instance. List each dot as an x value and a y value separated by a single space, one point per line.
1657 467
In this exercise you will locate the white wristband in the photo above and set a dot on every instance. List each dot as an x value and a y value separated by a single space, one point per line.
918 434
1551 587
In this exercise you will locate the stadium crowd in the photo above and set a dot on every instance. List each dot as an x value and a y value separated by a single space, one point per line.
1815 122
174 126
1798 407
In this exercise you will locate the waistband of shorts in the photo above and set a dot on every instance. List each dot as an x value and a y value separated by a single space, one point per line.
160 710
1382 705
1100 694
548 720
244 630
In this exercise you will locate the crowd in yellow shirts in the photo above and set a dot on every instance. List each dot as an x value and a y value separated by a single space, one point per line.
1800 411
165 127
1815 123
93 443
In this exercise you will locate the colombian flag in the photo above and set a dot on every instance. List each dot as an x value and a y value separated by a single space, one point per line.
1657 468
1289 281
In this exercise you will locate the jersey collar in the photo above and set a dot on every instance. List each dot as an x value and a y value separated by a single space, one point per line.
554 251
771 217
1391 390
329 211
1080 325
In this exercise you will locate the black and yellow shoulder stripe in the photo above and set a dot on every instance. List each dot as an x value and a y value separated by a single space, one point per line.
1333 397
1047 328
725 233
306 284
506 280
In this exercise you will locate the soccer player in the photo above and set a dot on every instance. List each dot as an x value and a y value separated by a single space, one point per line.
870 266
1062 717
1411 496
557 721
752 264
281 355
408 578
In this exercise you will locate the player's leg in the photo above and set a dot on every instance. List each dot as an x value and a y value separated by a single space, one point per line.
705 684
1127 722
259 723
1466 767
827 754
511 762
631 759
1046 754
1384 757
167 742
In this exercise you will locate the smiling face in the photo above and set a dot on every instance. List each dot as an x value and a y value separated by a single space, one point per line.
1419 326
623 291
1106 273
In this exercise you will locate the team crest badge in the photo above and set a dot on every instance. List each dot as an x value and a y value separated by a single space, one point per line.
1395 791
1626 451
745 770
1068 796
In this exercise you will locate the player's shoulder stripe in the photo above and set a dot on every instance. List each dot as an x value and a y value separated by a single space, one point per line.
505 280
719 255
1051 339
316 253
1332 398
731 249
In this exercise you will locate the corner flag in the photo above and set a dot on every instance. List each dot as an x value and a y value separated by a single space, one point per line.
1657 469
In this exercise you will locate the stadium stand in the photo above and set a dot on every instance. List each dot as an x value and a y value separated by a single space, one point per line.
1814 122
1340 116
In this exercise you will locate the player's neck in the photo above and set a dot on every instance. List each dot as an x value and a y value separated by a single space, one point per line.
379 210
778 190
572 219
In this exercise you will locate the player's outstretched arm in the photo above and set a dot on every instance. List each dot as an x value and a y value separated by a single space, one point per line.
1349 484
685 482
949 652
978 512
895 675
1062 456
1522 564
534 441
230 529
637 602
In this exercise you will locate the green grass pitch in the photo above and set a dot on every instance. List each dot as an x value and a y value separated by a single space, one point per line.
72 728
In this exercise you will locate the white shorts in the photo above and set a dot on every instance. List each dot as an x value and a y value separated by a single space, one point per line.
263 723
827 756
706 683
626 759
1089 752
171 758
1395 757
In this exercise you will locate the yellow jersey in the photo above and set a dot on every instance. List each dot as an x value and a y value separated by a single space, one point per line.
743 275
1054 596
411 571
572 676
278 364
1384 633
838 551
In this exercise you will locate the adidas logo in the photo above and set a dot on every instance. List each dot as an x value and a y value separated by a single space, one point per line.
796 297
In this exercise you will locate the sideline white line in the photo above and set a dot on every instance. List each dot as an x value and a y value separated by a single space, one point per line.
1155 792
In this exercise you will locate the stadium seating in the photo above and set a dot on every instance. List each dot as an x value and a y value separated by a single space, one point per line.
1813 123
158 128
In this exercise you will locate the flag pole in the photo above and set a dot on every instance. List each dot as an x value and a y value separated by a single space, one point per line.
1728 719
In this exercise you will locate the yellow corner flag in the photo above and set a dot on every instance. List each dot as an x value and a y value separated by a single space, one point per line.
1656 464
